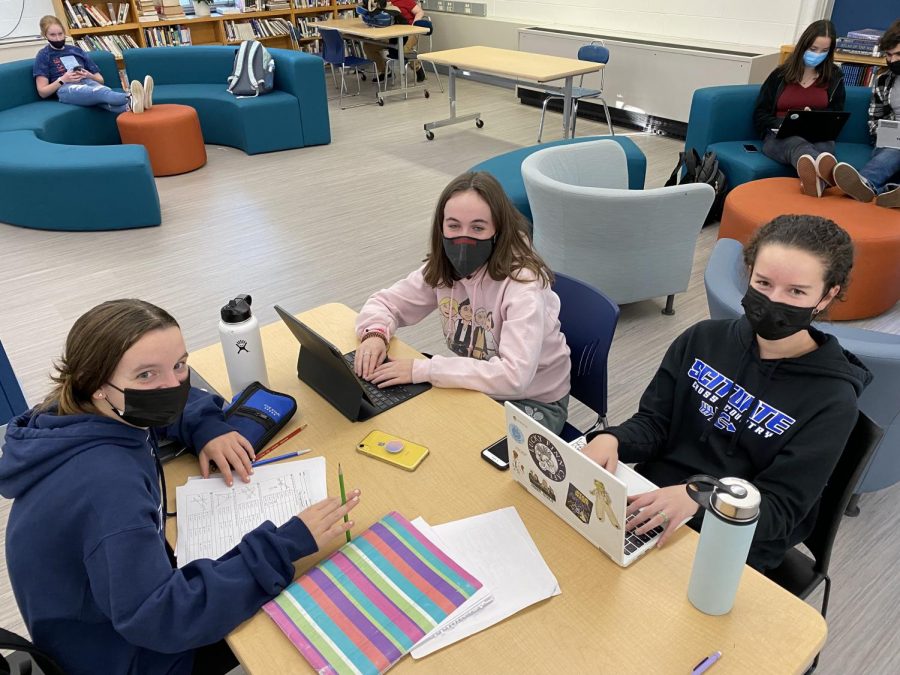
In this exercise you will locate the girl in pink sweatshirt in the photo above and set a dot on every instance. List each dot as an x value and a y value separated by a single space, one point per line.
497 309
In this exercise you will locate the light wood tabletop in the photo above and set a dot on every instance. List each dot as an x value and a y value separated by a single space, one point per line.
607 620
511 63
358 28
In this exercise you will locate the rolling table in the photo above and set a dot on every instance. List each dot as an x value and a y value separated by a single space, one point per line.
358 29
607 620
504 68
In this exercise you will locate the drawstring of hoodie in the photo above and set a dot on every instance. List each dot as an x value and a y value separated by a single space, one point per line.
161 476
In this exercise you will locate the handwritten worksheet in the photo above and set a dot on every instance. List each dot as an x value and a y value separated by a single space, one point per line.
213 517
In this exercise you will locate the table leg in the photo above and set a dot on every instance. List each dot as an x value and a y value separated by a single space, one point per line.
567 108
401 58
453 118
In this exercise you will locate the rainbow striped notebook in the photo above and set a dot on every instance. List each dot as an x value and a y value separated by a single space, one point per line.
362 609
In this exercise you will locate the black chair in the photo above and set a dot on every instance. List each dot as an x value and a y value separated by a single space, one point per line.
799 573
26 659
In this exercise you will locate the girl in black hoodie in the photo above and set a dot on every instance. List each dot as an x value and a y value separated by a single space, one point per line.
808 80
765 397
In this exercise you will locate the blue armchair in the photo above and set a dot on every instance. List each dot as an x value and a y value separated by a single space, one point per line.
721 120
726 283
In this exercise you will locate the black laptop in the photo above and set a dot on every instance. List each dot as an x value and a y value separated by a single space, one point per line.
330 373
813 125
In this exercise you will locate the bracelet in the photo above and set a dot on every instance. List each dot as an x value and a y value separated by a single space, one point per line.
376 333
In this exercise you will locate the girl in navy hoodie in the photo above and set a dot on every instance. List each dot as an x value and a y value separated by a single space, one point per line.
766 397
85 543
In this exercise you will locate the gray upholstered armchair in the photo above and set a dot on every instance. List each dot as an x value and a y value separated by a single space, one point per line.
631 244
726 283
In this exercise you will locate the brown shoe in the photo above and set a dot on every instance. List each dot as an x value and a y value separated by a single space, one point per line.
848 179
810 183
889 199
825 164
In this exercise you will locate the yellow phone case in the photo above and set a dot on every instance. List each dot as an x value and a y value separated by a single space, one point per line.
393 450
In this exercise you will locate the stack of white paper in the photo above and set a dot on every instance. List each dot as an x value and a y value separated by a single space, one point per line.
496 548
213 517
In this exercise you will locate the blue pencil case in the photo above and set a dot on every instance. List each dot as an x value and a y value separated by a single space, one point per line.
259 413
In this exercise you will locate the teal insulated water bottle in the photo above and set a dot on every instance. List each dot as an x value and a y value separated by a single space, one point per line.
732 511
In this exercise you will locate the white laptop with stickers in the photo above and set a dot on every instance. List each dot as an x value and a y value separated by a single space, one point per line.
887 134
581 492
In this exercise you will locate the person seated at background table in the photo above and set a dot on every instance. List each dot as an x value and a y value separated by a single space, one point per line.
497 308
766 397
85 542
808 80
880 177
81 85
408 12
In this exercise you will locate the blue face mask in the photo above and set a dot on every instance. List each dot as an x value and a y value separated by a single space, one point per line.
813 59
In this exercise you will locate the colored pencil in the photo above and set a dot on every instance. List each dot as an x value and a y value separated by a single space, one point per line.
284 440
343 498
290 455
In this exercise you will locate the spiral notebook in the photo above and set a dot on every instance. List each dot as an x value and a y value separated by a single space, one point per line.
363 608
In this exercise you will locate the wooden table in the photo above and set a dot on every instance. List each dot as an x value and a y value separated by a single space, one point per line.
505 67
358 28
607 620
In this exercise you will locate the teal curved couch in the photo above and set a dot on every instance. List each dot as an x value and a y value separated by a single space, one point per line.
49 149
721 120
293 115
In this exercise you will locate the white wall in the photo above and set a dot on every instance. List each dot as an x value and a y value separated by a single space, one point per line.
747 22
34 10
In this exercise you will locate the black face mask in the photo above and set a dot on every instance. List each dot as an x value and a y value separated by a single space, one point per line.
57 44
894 67
467 254
153 407
775 320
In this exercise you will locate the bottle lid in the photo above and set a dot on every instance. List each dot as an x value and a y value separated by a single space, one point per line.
740 503
237 310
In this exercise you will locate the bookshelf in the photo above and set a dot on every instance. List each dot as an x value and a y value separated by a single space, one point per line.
115 26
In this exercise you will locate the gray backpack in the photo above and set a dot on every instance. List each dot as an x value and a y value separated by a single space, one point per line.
254 70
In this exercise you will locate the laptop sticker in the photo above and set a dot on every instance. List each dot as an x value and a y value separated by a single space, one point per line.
603 504
517 464
542 486
516 433
578 504
547 457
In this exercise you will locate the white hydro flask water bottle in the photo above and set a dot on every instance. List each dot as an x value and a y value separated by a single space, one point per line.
242 345
732 511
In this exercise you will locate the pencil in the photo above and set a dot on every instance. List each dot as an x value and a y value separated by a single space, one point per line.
263 453
343 498
290 455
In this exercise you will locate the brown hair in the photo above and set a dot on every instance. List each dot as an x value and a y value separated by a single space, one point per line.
512 244
50 20
891 37
94 347
794 66
823 238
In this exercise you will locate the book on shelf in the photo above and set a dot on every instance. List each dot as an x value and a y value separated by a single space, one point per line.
871 34
857 46
167 36
113 43
123 12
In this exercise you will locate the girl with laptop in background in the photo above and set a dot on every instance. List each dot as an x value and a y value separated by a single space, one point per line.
808 80
85 542
765 397
499 317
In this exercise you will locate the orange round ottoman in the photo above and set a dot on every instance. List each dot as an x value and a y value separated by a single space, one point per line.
171 133
875 280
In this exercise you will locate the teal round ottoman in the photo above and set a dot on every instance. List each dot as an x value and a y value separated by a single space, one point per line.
507 168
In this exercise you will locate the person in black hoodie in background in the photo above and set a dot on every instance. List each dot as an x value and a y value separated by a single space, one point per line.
765 397
808 80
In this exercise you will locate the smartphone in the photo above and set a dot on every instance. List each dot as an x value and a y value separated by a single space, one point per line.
750 148
497 455
393 450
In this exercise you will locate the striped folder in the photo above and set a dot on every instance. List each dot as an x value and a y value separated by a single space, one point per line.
362 609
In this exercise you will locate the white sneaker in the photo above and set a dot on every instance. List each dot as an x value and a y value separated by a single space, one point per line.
825 163
137 97
810 183
148 92
848 179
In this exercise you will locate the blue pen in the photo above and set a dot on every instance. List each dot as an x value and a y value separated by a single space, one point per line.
706 663
279 458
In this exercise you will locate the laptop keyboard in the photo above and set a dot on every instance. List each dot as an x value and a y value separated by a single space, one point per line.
381 399
635 541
